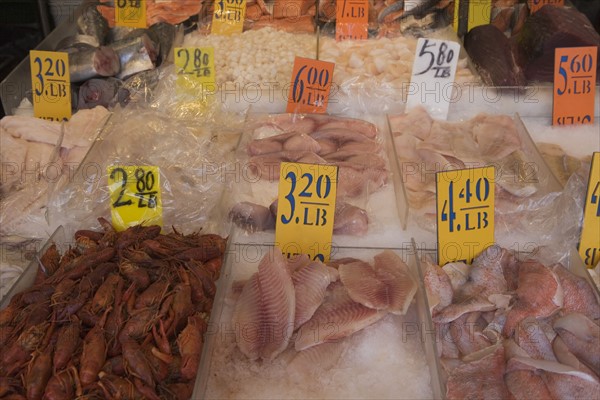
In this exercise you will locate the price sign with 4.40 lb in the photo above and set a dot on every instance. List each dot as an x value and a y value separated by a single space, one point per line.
352 19
130 13
535 5
589 245
305 209
310 86
135 196
228 17
465 213
195 66
51 85
574 85
432 79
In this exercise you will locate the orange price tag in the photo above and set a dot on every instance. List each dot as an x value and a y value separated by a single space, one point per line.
352 19
574 85
535 5
310 86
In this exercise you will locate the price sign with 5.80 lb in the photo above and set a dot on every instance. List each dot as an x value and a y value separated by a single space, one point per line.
135 195
574 85
465 213
228 17
51 85
305 209
352 19
589 245
130 13
195 66
310 86
432 79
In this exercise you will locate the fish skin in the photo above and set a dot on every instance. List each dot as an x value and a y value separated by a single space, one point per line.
136 54
252 217
578 294
564 356
437 286
456 310
581 336
526 385
90 63
91 23
530 336
466 335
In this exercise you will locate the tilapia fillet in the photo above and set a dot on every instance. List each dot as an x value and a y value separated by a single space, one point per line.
310 284
264 314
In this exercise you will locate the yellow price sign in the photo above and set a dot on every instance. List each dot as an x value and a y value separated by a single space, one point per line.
589 246
135 196
50 84
130 13
195 67
228 17
471 13
305 209
465 213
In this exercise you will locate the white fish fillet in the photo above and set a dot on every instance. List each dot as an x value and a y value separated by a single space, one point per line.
264 313
310 285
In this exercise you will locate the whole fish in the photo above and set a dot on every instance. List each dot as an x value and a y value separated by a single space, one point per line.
92 24
136 54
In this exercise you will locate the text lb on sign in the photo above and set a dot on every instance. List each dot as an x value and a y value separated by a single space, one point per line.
305 209
589 245
310 86
228 17
574 85
51 85
352 19
465 213
130 13
135 196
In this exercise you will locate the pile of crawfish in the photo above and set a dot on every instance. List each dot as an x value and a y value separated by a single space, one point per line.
121 315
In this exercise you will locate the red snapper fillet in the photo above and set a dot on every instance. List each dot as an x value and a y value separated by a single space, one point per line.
264 313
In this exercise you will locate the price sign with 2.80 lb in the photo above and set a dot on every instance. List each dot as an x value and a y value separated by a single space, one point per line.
310 86
228 17
51 85
432 79
135 195
589 246
130 13
465 213
574 85
195 66
352 19
305 209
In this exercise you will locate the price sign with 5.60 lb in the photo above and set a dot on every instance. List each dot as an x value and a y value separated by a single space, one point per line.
51 85
305 209
310 86
535 5
228 17
574 85
465 213
130 13
195 66
589 245
432 79
135 195
352 19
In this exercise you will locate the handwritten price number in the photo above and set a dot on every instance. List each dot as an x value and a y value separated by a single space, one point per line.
482 192
56 87
234 10
576 67
594 198
133 4
313 76
437 62
323 189
144 185
200 62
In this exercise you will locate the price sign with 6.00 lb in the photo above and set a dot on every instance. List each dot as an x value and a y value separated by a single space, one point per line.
352 19
574 85
51 85
432 79
465 213
589 246
195 66
130 13
228 17
310 86
135 196
305 209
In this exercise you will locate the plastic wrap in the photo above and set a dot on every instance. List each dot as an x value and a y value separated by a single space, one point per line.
192 158
366 189
38 158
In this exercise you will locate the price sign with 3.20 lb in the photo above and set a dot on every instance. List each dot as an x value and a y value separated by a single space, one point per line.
574 85
130 13
310 86
135 196
352 19
432 79
195 66
589 246
465 213
51 85
228 17
305 209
